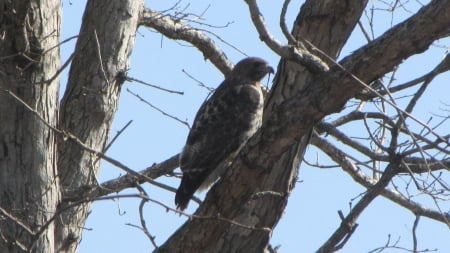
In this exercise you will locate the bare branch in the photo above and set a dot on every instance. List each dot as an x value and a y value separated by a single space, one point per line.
174 29
16 220
216 217
348 224
358 115
76 194
159 110
349 167
442 67
128 181
223 41
358 63
59 71
141 216
297 53
284 29
117 136
132 79
200 83
72 205
328 128
414 233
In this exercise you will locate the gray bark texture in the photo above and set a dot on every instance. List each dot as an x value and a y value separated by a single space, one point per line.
40 169
29 188
44 162
104 45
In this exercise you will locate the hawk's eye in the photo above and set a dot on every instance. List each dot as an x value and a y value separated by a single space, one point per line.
257 64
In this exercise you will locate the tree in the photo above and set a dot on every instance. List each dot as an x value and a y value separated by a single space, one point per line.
51 151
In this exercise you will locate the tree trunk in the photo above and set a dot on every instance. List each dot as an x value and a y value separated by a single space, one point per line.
265 196
39 170
29 188
87 109
241 210
43 172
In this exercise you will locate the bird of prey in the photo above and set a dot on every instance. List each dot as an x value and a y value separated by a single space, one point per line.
223 124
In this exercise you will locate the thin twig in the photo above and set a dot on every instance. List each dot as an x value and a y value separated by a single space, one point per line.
117 136
157 109
414 232
59 71
141 216
200 83
70 206
393 104
132 79
224 41
349 167
215 217
176 30
60 43
70 136
348 224
100 59
17 221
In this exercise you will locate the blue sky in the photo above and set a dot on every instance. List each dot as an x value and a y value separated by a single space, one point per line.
311 215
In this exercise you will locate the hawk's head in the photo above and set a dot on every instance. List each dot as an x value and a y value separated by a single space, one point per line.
251 69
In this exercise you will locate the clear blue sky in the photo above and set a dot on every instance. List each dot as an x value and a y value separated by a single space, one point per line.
311 215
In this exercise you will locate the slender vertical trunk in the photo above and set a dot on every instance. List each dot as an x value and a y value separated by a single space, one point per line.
87 109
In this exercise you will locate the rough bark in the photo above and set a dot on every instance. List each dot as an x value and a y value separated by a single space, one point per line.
41 175
254 191
29 189
87 109
269 190
39 172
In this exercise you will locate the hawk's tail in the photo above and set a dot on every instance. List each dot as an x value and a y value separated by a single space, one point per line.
185 192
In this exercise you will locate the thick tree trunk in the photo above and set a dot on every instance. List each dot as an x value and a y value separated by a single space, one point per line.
101 59
29 189
241 210
266 195
38 169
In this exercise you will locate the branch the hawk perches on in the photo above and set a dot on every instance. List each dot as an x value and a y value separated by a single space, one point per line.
223 124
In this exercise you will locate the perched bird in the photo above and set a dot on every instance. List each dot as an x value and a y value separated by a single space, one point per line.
223 124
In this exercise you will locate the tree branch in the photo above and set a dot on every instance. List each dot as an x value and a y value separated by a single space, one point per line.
267 162
297 53
175 29
366 64
442 67
129 180
349 167
349 222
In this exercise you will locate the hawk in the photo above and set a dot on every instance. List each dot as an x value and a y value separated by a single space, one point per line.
223 124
